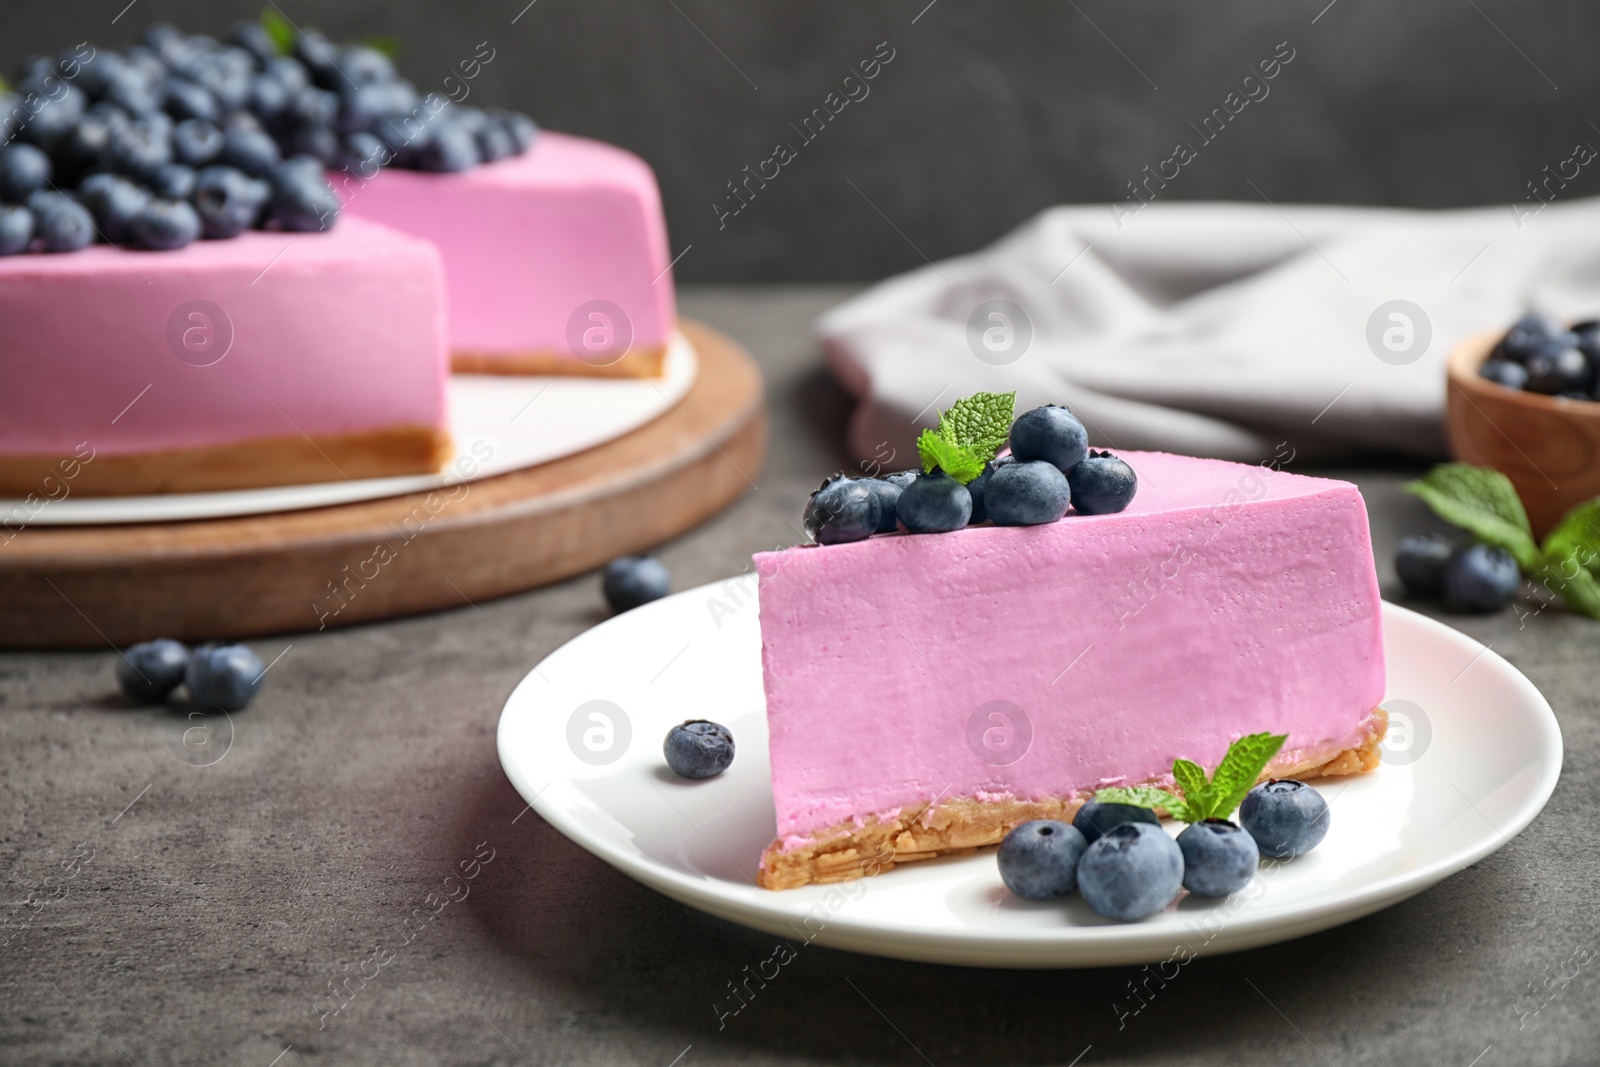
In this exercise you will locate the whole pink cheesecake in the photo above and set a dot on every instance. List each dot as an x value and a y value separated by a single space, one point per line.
556 260
269 359
928 693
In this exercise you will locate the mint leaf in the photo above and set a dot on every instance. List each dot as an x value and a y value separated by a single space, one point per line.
1571 564
1144 796
1580 590
1240 769
1196 789
981 422
958 461
279 29
387 43
1482 502
5 86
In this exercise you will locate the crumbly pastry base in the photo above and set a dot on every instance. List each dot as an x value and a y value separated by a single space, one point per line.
635 363
960 825
254 464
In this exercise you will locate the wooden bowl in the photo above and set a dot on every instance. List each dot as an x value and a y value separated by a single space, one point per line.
1548 446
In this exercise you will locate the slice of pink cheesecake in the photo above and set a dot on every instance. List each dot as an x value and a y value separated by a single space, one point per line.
928 693
270 359
556 260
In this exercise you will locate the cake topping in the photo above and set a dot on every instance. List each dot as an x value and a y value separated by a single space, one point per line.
1205 797
1287 818
1101 484
1027 494
843 509
934 503
1052 434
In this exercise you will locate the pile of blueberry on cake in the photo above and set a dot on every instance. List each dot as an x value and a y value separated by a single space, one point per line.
1540 355
183 136
965 480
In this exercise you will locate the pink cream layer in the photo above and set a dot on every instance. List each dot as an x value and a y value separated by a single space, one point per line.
313 333
529 240
1048 660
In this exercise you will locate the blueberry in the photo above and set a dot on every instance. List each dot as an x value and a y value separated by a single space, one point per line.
1052 434
254 38
495 143
976 489
888 495
63 106
196 143
116 201
1480 578
1029 493
1131 872
365 65
317 142
901 479
1420 563
934 503
223 677
109 113
16 229
842 509
1505 372
228 201
313 107
362 154
161 37
1218 858
1096 817
1287 818
174 182
227 74
23 169
522 129
269 97
364 105
165 225
1039 859
1528 335
60 222
301 200
250 150
183 99
132 88
1556 368
629 581
82 148
450 148
319 55
139 149
1102 484
147 672
698 749
290 71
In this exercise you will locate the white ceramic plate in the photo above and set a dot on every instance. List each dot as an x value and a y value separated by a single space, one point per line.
1473 755
516 421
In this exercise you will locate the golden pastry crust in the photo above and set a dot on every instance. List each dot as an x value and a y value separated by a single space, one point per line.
957 825
635 363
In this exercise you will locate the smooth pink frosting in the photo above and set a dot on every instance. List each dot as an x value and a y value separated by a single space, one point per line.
1227 599
333 332
528 240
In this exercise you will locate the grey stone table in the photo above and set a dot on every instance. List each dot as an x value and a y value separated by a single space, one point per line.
157 912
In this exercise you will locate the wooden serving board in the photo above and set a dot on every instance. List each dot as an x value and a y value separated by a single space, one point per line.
93 586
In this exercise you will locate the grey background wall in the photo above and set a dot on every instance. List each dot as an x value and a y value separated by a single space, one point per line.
988 111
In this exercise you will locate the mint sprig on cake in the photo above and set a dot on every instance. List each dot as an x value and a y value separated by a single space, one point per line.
1203 797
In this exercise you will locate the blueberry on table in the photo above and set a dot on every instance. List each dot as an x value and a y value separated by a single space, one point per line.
1480 578
59 222
1420 563
1039 859
1287 818
23 169
629 581
16 229
1219 858
888 495
841 510
1557 368
1102 484
1505 372
1131 872
1096 817
165 225
148 671
223 677
1052 434
934 503
698 749
1026 493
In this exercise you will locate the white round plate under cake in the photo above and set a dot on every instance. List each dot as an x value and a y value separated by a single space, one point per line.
1474 754
515 421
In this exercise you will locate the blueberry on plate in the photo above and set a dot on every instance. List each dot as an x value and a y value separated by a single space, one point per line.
228 201
148 671
23 169
1420 563
1558 367
16 229
165 225
1480 578
223 677
1131 872
1039 859
1219 858
842 509
1096 817
1286 817
1528 335
629 581
934 503
888 495
1026 493
1505 372
698 749
1102 484
59 222
196 143
1052 434
116 201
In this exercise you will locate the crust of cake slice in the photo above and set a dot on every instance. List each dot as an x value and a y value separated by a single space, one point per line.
958 825
635 363
253 464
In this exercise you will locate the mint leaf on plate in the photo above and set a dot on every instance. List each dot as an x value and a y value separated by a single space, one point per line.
981 422
958 461
1571 565
1482 502
1239 770
1144 796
